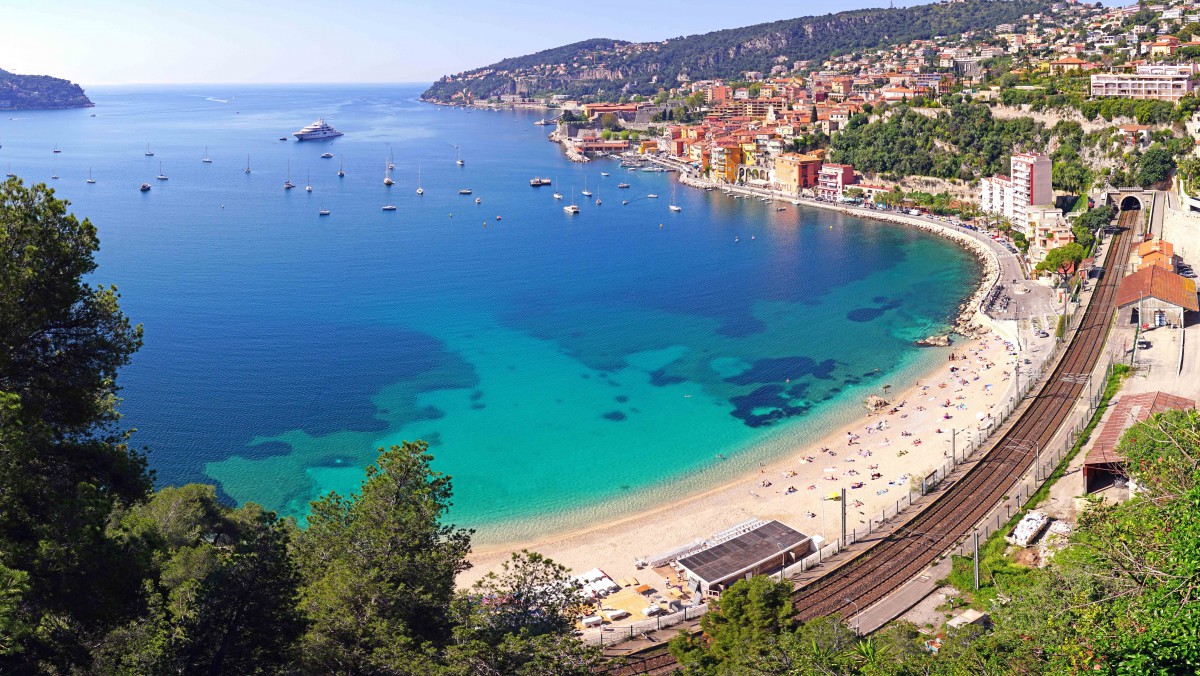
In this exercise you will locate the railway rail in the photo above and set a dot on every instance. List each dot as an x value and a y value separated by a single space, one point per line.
885 566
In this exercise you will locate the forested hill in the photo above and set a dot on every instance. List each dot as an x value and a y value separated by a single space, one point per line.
34 92
613 67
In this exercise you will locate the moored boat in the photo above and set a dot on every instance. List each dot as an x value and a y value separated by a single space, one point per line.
316 130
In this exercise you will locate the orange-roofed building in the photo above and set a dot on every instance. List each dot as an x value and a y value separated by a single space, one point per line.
795 172
1156 296
1068 65
1156 252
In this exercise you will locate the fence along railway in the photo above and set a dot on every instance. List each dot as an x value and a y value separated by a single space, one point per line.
884 567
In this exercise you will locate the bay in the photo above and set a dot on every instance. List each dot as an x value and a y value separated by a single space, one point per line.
565 369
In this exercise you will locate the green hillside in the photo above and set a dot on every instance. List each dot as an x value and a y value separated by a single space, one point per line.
34 92
613 67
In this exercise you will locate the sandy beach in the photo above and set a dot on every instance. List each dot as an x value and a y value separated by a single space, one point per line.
874 458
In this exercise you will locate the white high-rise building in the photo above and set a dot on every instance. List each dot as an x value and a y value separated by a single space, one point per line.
1013 196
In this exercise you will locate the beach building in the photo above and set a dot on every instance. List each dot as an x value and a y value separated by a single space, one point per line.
833 179
1103 464
1157 297
1155 82
795 172
767 548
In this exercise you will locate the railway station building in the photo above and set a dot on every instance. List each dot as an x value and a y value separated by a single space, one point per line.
764 550
1155 296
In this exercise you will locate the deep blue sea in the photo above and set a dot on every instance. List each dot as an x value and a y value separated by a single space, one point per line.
564 369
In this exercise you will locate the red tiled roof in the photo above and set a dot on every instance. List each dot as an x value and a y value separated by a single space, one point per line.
1155 282
1128 410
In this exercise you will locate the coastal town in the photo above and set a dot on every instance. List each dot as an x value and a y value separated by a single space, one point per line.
1113 90
906 383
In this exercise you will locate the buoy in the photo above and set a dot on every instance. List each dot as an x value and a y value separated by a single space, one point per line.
451 215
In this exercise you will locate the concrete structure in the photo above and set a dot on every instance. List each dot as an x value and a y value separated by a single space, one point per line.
833 179
1104 464
768 547
1159 83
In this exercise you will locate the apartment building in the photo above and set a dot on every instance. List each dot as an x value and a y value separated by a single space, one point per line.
1155 82
833 179
795 172
1015 196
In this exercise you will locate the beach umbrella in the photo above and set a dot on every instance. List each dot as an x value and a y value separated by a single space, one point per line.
981 415
834 496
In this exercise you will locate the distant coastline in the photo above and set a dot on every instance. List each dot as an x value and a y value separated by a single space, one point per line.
40 92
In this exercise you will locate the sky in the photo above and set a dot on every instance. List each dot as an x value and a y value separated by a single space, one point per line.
96 42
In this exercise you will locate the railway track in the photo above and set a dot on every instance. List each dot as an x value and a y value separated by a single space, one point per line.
885 566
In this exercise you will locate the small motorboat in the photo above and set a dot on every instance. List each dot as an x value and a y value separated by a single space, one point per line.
604 173
622 185
326 155
282 138
624 202
145 187
675 208
323 212
465 191
478 201
389 207
652 196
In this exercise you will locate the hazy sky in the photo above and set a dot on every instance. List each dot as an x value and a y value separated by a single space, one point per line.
103 42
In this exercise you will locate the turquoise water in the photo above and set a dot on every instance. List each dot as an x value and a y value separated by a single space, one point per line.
564 369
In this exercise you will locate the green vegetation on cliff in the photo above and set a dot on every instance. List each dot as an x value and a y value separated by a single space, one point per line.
611 68
39 92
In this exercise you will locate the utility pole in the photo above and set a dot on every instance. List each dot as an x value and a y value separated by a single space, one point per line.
844 518
975 557
953 454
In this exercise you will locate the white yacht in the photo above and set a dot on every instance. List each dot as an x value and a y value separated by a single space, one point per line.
571 209
318 129
161 176
206 159
89 178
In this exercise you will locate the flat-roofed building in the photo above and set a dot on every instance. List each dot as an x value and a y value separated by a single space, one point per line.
833 179
768 548
1156 82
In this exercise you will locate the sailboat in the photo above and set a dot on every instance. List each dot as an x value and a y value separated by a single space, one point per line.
341 172
586 192
288 185
674 207
161 176
308 183
557 194
206 159
90 179
420 190
571 208
56 150
391 160
387 175
247 164
149 153
457 157
10 173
